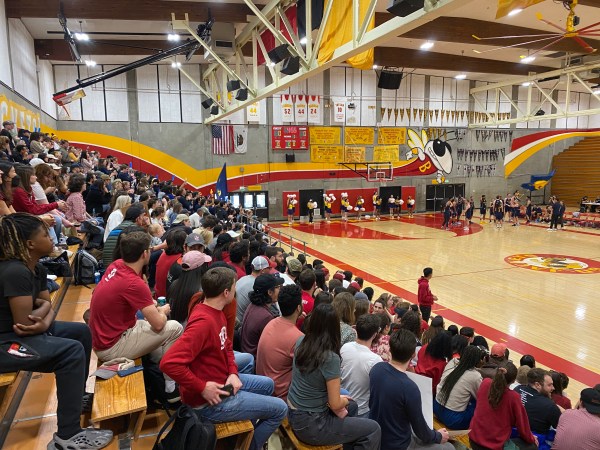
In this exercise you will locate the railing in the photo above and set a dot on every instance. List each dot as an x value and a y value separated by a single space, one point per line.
277 236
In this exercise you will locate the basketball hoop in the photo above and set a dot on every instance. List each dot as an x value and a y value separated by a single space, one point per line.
380 172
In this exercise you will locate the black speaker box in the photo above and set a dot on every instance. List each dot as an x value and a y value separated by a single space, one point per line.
389 80
290 157
291 66
403 8
233 85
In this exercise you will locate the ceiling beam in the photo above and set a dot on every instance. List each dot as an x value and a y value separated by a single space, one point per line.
58 49
417 59
450 29
147 10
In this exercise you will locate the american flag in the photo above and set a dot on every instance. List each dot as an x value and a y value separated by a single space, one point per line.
222 139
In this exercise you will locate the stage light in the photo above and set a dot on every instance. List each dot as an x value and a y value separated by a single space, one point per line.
214 110
241 95
291 66
207 103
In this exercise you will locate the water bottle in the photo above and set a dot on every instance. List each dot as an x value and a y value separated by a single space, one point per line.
96 277
162 301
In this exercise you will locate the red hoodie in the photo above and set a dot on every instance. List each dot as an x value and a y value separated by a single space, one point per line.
202 353
425 296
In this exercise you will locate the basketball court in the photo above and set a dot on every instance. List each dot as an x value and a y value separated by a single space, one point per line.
534 290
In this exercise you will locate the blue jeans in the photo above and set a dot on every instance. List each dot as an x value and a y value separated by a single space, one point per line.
244 362
455 420
252 402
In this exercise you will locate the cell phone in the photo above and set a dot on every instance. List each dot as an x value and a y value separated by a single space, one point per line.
228 388
134 369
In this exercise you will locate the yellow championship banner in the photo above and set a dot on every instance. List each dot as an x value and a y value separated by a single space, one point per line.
395 136
386 153
325 135
355 154
359 136
326 153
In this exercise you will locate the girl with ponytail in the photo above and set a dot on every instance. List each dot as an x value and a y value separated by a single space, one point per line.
498 410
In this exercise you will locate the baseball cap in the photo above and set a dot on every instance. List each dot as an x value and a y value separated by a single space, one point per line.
54 166
498 350
194 259
36 162
361 296
233 234
293 264
75 165
267 281
591 400
7 122
194 239
224 239
260 263
355 285
134 211
180 218
339 276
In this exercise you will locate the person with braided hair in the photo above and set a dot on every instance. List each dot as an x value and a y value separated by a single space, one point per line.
498 410
454 403
30 338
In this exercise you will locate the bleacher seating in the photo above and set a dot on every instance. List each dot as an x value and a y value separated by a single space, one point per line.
287 431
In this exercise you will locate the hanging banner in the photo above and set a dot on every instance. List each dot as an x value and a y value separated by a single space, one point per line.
326 153
253 112
386 153
396 136
314 109
359 136
287 108
325 135
300 108
355 154
339 109
289 138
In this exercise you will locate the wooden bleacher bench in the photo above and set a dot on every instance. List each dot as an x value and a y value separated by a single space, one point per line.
464 440
244 430
287 431
121 397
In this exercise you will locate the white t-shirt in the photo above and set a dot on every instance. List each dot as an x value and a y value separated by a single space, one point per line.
38 193
195 220
357 361
115 219
287 280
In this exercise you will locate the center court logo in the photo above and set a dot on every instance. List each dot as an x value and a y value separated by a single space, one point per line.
554 263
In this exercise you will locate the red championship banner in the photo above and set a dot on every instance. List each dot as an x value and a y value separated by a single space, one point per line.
289 138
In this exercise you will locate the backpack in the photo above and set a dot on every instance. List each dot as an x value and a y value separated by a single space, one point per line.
189 432
84 268
154 382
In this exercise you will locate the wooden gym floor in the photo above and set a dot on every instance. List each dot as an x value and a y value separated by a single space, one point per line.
484 277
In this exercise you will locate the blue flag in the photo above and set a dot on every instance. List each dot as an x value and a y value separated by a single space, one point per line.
538 181
222 192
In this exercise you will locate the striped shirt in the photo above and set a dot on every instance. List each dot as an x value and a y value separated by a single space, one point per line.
577 430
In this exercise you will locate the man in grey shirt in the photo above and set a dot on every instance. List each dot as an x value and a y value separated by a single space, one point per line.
245 285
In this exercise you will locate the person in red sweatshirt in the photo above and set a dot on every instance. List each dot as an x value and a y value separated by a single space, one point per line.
426 298
203 365
498 410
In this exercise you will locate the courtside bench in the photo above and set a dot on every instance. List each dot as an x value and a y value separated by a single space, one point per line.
287 431
464 439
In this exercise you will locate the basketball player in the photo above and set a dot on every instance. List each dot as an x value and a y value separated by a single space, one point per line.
498 206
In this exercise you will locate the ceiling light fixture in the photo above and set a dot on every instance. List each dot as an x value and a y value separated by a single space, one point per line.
375 66
596 92
527 84
90 63
175 65
303 40
527 59
460 76
427 45
173 37
514 12
82 37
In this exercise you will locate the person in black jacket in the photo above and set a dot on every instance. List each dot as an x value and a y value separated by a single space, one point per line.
97 200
